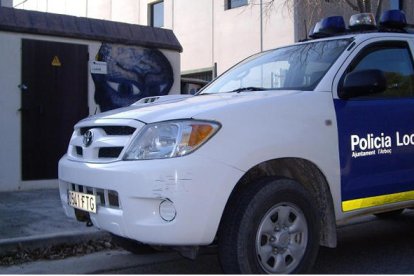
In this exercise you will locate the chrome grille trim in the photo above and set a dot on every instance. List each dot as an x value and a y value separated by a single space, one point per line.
110 138
111 130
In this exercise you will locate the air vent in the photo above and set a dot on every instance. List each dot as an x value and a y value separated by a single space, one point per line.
79 151
111 130
110 152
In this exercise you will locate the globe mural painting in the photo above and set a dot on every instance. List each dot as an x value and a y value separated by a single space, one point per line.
132 73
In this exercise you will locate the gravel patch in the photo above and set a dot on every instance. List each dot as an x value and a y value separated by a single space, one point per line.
56 252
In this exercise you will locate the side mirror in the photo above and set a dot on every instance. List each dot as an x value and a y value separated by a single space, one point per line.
363 83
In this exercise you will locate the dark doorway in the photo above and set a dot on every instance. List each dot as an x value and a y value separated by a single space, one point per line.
54 97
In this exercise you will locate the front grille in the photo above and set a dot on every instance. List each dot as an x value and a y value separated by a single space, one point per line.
113 198
111 130
110 152
106 198
102 140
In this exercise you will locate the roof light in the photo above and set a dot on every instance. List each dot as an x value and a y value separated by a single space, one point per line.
362 21
393 19
328 26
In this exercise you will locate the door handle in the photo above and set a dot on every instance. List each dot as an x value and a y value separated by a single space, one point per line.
23 87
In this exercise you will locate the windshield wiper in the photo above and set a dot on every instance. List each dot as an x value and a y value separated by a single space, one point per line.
249 88
238 90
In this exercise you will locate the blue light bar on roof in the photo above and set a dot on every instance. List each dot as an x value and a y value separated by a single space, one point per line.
393 19
328 26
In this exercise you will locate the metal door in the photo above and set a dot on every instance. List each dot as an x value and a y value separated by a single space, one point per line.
54 97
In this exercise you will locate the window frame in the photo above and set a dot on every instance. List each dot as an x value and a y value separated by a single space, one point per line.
375 46
229 6
398 3
151 13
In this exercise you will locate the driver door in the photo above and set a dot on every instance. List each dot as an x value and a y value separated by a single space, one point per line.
376 132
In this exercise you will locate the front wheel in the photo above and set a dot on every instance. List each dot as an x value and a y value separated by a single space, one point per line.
273 228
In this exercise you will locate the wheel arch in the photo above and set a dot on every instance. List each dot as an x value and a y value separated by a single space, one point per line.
305 173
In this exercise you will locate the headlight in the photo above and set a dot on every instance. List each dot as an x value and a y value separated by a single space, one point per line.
170 139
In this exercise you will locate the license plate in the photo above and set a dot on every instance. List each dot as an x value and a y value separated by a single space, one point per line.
82 201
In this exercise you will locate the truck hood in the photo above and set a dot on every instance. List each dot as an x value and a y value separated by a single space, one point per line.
173 107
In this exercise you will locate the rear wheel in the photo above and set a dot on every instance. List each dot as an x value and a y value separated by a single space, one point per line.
272 228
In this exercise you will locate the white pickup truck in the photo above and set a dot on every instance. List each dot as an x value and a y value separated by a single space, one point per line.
267 160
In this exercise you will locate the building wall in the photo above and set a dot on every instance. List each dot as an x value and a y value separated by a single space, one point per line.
9 114
193 25
237 34
278 27
409 10
208 32
120 10
306 16
125 11
6 3
311 13
211 34
10 102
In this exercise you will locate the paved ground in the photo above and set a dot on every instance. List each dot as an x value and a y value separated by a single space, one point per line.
96 263
365 246
32 216
36 218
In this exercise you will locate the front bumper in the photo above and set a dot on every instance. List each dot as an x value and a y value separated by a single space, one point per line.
198 186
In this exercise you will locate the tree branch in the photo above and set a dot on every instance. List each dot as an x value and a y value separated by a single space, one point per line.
315 7
379 11
354 7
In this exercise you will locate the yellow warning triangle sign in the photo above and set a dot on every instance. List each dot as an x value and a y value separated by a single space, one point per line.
56 61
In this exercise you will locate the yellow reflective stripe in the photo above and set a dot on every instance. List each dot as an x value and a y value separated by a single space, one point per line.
366 202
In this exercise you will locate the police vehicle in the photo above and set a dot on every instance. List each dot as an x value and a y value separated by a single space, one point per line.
267 160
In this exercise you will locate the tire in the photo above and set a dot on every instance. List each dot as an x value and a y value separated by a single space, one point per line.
132 246
389 214
271 227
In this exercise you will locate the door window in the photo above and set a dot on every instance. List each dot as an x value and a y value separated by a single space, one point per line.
395 60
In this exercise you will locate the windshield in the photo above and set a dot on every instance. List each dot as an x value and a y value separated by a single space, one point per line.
298 67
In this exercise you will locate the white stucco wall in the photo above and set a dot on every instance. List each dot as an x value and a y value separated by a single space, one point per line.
193 27
9 114
117 10
10 102
125 11
6 3
207 31
312 14
237 32
278 27
99 9
175 60
210 34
